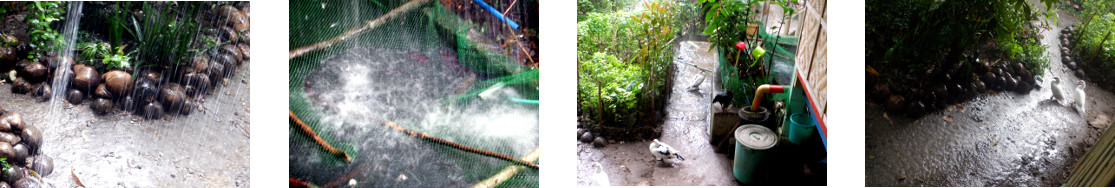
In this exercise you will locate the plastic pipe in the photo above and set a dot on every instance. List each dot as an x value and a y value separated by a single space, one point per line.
497 14
764 89
524 101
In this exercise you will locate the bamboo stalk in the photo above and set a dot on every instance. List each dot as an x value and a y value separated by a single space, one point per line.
324 145
507 172
359 29
425 136
1086 172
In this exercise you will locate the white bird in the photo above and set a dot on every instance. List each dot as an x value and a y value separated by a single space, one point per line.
697 84
1081 102
1056 87
599 176
662 151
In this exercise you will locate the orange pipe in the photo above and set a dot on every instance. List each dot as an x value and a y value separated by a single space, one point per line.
764 89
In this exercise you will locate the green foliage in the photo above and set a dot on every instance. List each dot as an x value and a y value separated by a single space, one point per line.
584 7
117 24
608 33
43 37
4 163
102 52
167 32
727 23
1027 50
1090 38
605 80
627 55
907 36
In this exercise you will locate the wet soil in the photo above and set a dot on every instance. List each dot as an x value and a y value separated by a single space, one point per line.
999 139
208 148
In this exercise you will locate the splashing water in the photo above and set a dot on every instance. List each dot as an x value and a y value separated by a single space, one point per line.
362 87
69 32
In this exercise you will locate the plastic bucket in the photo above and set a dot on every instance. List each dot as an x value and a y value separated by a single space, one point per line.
759 117
753 144
801 127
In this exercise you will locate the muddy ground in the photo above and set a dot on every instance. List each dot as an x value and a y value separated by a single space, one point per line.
208 148
1002 139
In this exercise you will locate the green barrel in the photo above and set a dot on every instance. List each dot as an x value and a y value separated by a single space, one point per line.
753 144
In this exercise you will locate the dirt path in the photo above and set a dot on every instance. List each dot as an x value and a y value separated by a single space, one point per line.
685 129
205 149
1004 139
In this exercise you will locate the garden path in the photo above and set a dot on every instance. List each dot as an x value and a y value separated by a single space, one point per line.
1004 139
685 129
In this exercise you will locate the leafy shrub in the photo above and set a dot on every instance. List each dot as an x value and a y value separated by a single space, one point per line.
43 38
1027 50
1090 38
906 36
625 63
103 53
608 89
605 32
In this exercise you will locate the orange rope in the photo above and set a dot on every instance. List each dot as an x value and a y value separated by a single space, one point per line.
324 145
462 147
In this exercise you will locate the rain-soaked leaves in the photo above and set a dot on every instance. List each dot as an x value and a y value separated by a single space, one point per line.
948 118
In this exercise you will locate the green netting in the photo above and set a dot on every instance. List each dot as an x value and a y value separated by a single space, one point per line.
422 70
780 51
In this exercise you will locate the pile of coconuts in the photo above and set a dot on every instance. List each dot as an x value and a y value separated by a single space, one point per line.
1066 52
950 85
167 88
19 145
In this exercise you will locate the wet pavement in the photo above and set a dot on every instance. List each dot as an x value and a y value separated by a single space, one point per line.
685 129
208 148
1003 139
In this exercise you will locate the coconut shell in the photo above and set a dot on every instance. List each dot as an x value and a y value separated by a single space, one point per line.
153 110
101 106
118 82
34 71
85 78
233 51
74 96
11 121
245 51
172 96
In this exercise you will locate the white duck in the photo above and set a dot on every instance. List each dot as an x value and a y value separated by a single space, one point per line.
1056 87
599 176
697 83
662 151
1081 101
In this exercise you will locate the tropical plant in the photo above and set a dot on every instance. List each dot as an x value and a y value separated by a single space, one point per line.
104 53
1096 42
167 32
43 37
727 23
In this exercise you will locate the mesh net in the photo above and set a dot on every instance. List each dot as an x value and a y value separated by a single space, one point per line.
423 70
